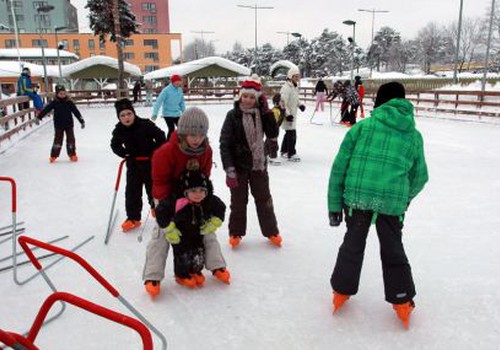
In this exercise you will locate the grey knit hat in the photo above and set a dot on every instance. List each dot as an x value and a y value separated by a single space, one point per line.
193 122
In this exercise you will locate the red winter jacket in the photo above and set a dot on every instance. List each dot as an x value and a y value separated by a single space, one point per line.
169 162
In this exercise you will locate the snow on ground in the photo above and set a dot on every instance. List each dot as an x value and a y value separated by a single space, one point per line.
278 298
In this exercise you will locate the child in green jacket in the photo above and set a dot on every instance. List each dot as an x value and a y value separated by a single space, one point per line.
378 170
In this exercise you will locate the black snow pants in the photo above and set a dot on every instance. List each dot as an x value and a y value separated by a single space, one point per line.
138 174
398 282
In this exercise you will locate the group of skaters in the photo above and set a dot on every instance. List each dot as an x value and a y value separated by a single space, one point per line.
351 97
379 169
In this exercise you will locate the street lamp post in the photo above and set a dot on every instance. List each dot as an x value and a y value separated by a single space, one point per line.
373 12
287 36
44 9
16 33
352 42
56 29
255 8
488 43
201 32
457 49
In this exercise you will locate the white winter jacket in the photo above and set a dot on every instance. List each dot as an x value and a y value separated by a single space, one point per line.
290 102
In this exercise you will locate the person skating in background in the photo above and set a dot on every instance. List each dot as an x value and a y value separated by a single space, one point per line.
149 92
378 171
290 102
171 99
242 150
135 139
64 110
320 91
351 99
188 148
360 89
279 116
136 91
25 87
185 217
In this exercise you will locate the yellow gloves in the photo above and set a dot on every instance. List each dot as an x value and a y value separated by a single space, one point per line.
172 233
211 225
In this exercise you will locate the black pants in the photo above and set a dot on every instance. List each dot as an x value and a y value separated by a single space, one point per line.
58 141
288 143
138 174
188 260
398 282
171 124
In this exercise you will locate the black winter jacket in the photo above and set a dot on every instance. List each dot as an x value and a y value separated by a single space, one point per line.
234 148
140 139
64 109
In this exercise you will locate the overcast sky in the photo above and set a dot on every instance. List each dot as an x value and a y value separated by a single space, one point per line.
231 23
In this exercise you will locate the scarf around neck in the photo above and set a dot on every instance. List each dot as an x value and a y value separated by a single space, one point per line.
252 125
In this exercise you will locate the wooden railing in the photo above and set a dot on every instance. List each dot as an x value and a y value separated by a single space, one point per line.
16 116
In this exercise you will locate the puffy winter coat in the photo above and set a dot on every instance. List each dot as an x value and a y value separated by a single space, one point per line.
380 165
234 148
170 161
171 99
290 102
64 109
24 84
140 139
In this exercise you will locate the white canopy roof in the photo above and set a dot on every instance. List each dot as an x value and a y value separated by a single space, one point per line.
90 62
12 69
193 66
36 52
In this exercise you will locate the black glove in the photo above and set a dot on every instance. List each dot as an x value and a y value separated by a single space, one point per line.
289 118
83 125
335 218
302 108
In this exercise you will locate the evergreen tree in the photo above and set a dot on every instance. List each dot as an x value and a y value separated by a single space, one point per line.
102 19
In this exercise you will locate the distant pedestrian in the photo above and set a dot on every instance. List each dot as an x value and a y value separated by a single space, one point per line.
320 91
25 87
171 99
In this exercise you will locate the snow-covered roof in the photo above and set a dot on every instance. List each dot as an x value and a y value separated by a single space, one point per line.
87 63
36 52
190 67
282 64
10 69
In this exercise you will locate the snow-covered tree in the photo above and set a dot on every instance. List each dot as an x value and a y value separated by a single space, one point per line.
102 20
329 54
471 40
198 49
384 42
432 44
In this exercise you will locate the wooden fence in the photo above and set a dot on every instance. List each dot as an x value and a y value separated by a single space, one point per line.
15 120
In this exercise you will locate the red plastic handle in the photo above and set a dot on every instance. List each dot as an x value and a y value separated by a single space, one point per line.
120 169
14 191
111 315
25 240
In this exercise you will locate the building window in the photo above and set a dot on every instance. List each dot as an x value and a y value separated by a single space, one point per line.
91 44
129 55
17 4
150 31
151 68
102 45
19 18
39 43
37 4
148 6
151 42
76 44
151 56
42 20
10 43
151 20
128 42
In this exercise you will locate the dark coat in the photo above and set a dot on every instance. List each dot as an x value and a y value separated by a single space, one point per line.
320 87
64 110
140 139
234 148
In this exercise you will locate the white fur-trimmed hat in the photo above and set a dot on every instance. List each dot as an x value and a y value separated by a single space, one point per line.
292 71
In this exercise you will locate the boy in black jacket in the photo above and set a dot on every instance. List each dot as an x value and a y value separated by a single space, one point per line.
64 109
189 213
135 139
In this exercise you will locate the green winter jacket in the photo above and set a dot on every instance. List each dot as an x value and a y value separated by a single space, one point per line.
381 164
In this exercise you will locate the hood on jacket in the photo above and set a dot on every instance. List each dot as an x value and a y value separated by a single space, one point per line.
397 114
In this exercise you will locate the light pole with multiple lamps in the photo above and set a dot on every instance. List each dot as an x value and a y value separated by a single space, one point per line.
457 48
44 9
488 44
16 33
255 8
352 42
373 12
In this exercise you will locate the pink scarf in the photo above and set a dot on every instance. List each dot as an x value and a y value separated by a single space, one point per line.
252 125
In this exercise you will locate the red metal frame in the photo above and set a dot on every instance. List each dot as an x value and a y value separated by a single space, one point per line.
14 191
12 339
